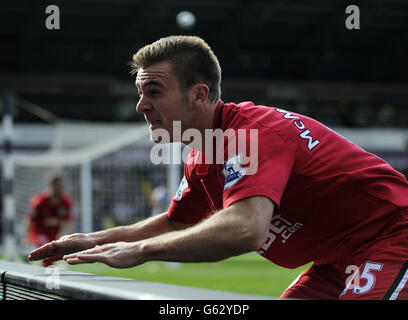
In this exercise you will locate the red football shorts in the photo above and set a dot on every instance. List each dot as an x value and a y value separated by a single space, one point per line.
378 271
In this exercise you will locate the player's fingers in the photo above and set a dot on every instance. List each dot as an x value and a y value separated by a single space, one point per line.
92 251
58 247
77 261
53 258
42 252
85 258
35 254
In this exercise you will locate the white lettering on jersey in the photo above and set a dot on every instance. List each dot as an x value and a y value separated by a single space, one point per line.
301 126
279 227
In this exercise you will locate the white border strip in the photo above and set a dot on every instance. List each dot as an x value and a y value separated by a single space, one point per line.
400 286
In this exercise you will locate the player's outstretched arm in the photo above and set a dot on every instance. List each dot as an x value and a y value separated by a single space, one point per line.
76 242
241 228
141 230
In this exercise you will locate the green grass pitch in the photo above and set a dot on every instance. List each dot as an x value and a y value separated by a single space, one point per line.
249 273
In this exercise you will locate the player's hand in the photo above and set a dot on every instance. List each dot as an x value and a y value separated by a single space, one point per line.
117 255
56 249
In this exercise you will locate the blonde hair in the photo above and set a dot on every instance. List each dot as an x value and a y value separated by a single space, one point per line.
191 58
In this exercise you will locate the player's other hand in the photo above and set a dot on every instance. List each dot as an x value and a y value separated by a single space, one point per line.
117 255
56 249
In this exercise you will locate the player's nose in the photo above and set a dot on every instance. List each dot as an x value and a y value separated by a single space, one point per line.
143 105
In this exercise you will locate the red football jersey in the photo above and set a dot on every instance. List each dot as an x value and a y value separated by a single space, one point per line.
47 216
331 196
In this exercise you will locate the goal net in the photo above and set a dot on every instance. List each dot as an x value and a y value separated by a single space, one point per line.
106 170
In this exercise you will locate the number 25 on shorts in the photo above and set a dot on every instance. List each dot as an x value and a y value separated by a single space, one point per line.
365 278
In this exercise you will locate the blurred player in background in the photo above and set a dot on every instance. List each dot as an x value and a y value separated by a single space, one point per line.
313 197
50 215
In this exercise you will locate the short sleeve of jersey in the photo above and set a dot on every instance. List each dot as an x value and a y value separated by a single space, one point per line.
188 204
263 171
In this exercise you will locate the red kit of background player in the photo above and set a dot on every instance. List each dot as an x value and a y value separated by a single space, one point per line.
50 214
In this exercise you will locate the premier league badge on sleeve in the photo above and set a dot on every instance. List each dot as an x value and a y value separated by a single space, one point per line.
183 186
233 170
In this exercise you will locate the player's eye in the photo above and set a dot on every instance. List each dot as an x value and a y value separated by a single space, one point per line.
154 92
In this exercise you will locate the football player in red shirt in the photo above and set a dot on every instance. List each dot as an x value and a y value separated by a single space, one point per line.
50 214
294 190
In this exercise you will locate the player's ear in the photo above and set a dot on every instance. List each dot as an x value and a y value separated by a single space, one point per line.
200 93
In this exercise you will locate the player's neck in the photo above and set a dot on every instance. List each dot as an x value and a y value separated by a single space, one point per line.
203 122
55 197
